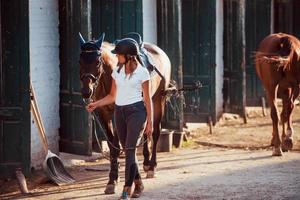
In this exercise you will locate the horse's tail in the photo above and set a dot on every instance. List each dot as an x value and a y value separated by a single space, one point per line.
281 57
257 67
262 57
274 60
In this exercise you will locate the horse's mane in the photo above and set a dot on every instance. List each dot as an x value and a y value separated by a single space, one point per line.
286 47
108 58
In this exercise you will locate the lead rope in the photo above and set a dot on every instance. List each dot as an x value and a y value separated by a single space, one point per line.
98 143
105 135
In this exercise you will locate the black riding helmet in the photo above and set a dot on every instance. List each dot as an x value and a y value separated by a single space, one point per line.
127 46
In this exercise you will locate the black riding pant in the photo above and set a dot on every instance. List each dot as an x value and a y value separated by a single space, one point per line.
130 123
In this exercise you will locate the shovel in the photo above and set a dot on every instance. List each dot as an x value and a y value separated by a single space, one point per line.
52 164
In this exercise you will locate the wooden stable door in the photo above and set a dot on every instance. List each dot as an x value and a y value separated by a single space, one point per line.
14 88
258 26
286 17
234 57
198 61
116 18
75 122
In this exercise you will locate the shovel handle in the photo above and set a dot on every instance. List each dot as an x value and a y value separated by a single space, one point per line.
38 119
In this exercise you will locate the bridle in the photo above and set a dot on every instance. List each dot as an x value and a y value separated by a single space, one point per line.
95 79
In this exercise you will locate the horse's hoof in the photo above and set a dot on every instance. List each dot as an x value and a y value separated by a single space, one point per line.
146 168
277 151
150 174
287 144
110 189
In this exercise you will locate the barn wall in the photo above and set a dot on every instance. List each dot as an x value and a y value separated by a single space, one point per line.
219 57
149 21
44 72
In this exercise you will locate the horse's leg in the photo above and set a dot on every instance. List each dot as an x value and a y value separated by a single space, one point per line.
272 91
286 98
146 153
158 106
287 137
155 136
114 153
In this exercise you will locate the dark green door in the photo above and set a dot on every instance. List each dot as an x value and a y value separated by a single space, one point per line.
296 17
14 89
198 50
286 16
283 16
234 54
116 17
258 26
169 40
75 123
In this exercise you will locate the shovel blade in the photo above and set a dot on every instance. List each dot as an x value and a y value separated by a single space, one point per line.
56 171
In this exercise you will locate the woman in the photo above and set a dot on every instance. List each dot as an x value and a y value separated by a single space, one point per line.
133 108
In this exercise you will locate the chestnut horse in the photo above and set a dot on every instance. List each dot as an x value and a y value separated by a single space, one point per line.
96 64
278 67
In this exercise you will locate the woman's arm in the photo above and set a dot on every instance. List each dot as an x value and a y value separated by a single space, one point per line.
149 108
108 99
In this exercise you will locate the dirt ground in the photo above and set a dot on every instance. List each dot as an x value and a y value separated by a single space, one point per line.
234 162
232 132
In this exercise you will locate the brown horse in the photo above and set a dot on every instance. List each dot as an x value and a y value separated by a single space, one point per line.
96 64
278 67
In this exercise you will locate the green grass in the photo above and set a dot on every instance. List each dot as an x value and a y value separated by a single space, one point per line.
188 143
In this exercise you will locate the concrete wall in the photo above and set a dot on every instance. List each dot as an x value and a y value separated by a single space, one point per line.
149 21
44 72
219 57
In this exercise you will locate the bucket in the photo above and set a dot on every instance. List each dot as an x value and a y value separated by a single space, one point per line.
178 139
165 141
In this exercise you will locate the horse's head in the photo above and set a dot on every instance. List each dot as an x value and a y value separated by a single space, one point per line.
90 65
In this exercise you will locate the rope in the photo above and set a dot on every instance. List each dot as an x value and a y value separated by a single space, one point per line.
105 135
98 143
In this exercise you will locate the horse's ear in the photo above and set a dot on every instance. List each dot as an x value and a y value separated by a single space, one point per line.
82 41
100 40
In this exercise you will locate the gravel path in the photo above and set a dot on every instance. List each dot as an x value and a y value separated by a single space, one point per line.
234 162
201 173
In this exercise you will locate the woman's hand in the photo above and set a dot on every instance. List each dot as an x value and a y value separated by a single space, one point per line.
92 106
149 129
